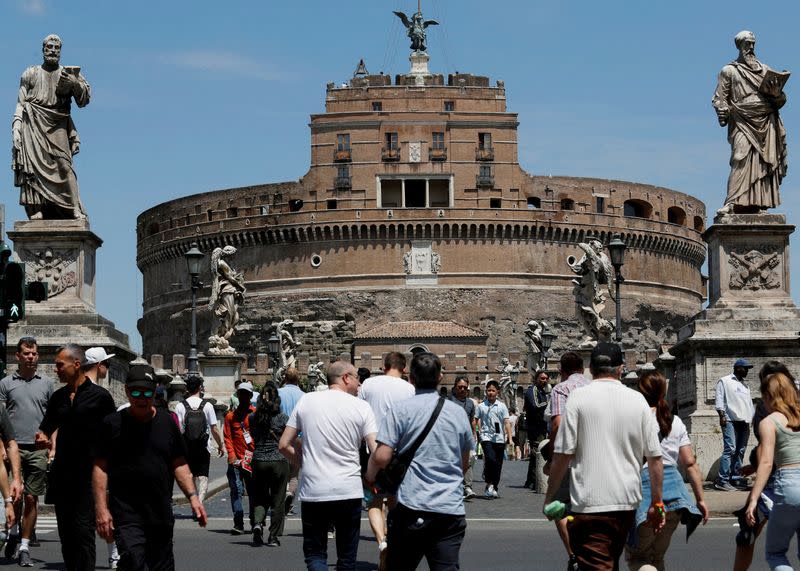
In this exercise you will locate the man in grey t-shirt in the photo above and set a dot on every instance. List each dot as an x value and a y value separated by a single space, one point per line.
25 394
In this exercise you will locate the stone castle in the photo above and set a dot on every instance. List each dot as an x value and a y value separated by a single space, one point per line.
415 209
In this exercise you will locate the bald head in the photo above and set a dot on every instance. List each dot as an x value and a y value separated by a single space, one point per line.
343 375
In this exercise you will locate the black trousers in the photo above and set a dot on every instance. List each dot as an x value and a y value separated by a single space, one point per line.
76 526
415 534
144 547
493 454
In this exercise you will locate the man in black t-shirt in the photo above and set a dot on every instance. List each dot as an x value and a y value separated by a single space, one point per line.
139 456
75 411
460 396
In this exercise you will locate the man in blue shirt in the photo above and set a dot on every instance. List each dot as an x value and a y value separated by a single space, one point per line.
290 394
429 518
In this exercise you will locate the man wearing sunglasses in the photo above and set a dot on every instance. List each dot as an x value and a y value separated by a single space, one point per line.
139 457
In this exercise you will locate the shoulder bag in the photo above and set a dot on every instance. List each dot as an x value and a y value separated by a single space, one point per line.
390 477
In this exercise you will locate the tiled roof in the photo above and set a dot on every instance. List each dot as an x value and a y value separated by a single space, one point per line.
420 330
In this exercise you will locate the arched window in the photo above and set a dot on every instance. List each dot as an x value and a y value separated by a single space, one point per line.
414 349
637 209
698 223
676 215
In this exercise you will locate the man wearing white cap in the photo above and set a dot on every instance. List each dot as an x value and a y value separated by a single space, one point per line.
95 365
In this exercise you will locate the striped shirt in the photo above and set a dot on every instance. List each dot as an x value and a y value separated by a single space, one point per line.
558 398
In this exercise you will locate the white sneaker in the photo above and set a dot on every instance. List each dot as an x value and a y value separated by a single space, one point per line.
113 562
468 493
495 494
489 494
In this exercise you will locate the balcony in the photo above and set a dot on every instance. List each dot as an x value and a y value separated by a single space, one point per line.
342 183
485 154
484 181
390 154
437 154
342 156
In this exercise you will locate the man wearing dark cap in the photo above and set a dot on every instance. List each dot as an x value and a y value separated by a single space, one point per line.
76 410
140 454
735 408
605 432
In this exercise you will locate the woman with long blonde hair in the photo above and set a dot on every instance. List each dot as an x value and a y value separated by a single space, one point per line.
780 445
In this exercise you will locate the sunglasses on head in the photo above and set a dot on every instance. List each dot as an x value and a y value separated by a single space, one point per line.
139 393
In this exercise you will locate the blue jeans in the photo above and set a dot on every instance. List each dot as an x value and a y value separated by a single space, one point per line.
784 520
346 518
238 481
735 435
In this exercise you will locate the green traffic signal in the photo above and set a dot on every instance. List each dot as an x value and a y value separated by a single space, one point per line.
13 302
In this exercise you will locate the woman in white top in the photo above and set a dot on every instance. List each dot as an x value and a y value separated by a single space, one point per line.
645 550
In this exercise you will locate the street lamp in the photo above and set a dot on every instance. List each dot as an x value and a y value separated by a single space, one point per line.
617 250
194 257
547 341
273 350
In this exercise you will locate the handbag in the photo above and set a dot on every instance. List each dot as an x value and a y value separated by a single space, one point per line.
390 477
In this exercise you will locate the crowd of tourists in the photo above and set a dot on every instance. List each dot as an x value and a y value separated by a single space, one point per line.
396 445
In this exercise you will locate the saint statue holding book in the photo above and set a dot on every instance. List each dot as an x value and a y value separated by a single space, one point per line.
747 99
45 139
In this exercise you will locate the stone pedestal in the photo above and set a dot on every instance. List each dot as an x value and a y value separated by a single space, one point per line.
62 254
419 66
750 315
219 373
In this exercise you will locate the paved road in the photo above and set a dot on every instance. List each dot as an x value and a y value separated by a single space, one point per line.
507 534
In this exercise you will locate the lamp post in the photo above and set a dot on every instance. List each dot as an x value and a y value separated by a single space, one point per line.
616 248
547 341
273 350
194 257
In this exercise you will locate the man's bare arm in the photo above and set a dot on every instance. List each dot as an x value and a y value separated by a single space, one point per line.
183 476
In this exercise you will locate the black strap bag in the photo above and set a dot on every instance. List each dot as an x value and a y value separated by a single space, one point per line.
390 477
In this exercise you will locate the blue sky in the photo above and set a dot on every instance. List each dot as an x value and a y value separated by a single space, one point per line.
191 96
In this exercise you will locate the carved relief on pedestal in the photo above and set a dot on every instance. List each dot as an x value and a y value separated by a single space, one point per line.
755 269
57 268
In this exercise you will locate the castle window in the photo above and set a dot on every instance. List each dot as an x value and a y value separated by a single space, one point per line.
391 141
698 223
438 140
232 212
494 203
484 140
377 106
331 204
415 193
676 215
637 209
264 210
600 204
567 204
534 203
210 214
343 142
449 105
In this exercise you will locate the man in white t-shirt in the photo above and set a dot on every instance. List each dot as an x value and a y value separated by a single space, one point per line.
196 437
735 408
381 392
333 423
605 432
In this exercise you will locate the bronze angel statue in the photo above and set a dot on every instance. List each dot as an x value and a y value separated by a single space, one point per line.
227 293
415 29
596 279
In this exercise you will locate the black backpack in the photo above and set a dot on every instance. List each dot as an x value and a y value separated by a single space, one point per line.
195 428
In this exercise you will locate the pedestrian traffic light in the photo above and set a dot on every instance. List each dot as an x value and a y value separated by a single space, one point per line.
13 295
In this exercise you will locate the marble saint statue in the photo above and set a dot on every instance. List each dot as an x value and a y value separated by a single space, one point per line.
287 357
227 294
747 99
596 279
533 341
44 137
